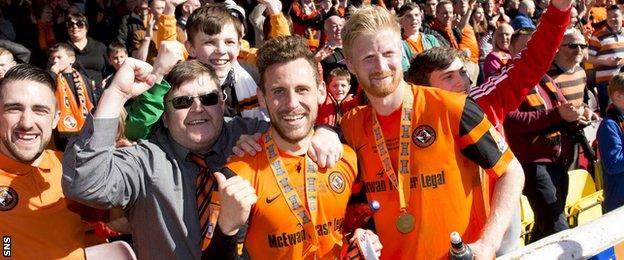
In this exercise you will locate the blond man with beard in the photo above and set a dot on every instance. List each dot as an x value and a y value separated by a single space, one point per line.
405 126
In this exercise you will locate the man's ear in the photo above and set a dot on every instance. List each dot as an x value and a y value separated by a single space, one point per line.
261 101
350 66
190 48
322 89
57 117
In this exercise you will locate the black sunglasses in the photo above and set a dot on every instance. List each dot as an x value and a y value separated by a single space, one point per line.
79 24
575 45
183 102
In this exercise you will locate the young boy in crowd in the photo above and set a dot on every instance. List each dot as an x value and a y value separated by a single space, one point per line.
610 142
75 93
339 101
116 54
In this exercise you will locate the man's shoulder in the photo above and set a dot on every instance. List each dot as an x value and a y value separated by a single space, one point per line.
246 166
349 156
356 116
436 98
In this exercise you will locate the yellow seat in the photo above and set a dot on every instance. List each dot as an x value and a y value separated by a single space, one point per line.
527 218
586 209
583 202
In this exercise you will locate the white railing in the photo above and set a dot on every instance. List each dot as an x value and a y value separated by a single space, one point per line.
581 242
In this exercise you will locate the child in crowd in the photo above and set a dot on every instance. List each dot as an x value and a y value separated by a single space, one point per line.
76 94
610 141
116 54
338 101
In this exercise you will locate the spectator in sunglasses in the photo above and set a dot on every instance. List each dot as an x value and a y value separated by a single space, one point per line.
90 53
155 180
566 69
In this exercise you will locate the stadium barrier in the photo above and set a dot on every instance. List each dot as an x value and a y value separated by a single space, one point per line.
604 235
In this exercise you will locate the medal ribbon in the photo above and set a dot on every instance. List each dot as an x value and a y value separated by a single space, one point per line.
402 183
305 218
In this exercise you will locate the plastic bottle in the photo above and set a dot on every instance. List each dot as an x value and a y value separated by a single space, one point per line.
459 250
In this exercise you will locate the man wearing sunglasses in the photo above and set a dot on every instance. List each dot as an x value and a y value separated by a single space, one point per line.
539 133
566 69
155 180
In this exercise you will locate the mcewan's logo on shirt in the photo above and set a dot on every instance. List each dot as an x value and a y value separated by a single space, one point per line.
291 239
8 198
423 136
425 181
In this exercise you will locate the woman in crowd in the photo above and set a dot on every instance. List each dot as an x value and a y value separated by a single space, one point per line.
90 53
500 55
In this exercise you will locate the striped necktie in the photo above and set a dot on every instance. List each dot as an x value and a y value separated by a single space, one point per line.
207 199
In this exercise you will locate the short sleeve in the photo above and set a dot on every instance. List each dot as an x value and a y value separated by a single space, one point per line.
480 142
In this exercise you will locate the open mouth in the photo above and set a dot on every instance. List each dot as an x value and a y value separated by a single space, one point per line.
196 122
294 120
219 62
25 138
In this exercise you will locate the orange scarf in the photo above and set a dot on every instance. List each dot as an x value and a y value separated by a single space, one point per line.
73 114
447 32
415 46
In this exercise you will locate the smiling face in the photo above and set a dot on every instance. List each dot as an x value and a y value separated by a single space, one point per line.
572 49
376 61
292 96
27 116
339 88
77 29
478 15
503 37
444 14
333 27
198 126
218 50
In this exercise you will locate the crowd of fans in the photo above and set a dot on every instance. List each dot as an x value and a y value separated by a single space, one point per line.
150 99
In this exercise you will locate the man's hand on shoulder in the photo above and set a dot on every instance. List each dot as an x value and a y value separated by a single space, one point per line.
325 147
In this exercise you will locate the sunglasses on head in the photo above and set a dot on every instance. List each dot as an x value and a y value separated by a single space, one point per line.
183 102
79 24
576 45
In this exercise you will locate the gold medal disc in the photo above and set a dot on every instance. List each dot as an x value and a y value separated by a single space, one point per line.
405 223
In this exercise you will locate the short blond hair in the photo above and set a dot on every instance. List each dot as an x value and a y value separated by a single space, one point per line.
367 20
4 51
616 84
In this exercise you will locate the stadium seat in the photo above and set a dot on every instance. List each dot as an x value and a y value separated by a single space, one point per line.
583 202
115 250
527 217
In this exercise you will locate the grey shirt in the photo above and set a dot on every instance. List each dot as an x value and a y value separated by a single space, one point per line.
153 181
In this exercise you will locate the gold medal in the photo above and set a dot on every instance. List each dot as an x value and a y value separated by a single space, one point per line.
405 223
